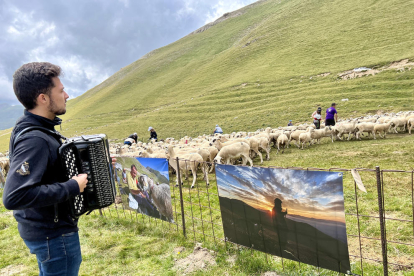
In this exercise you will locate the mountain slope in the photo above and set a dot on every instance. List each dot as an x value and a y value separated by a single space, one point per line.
257 68
9 115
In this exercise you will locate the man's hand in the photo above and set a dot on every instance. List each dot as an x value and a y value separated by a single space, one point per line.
82 181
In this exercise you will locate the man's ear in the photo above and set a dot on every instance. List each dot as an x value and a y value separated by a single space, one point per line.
42 99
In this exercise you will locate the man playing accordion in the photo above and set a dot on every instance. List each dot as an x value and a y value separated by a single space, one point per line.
36 188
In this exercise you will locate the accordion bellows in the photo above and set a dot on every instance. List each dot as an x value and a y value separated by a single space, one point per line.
89 154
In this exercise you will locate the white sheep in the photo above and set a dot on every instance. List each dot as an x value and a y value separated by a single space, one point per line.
190 162
410 124
251 141
306 137
234 152
294 135
282 141
385 127
399 122
343 128
365 127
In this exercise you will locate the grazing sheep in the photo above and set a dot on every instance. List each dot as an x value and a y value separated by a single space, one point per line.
399 122
265 145
251 141
343 128
282 141
318 134
306 137
410 124
4 165
385 127
365 127
294 135
193 158
145 154
274 136
234 151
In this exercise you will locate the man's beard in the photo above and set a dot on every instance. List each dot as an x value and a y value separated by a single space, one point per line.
55 110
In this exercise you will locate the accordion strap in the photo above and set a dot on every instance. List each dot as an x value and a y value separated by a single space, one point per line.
54 133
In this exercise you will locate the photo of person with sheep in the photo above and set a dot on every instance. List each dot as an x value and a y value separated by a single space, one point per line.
147 189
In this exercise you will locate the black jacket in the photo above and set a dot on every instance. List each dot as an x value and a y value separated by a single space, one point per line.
36 182
133 136
153 135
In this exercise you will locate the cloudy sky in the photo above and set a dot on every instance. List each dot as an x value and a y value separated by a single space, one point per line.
310 194
92 39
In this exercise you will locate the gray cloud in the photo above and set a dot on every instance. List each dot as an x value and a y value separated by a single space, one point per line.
91 40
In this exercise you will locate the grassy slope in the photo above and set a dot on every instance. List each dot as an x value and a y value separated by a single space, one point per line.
192 84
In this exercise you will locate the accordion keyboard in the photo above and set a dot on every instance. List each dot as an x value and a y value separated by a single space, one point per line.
71 171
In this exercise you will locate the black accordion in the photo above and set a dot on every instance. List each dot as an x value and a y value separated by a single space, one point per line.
89 154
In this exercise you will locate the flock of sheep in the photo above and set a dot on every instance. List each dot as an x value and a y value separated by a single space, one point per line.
196 153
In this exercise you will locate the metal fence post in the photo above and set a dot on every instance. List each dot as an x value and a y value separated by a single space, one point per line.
382 222
181 195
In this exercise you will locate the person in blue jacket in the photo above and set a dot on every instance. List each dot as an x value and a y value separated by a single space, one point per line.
36 187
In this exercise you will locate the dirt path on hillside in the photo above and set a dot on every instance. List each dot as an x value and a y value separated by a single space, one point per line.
401 65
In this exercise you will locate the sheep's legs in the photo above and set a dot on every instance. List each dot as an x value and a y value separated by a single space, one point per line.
193 170
258 153
268 153
248 159
205 171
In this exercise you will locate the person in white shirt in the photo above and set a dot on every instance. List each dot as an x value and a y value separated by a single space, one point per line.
317 118
218 129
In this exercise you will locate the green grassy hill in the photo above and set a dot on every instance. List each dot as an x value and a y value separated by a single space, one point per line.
257 68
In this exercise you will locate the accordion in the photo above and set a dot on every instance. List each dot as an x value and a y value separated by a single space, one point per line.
89 154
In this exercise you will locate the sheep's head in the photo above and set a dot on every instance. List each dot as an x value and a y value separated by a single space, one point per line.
217 159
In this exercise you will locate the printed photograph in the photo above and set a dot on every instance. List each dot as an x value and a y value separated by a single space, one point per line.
143 185
294 214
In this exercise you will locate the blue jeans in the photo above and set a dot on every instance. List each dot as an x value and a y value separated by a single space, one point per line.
57 256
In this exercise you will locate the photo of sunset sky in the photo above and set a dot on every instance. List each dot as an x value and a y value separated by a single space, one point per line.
294 214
